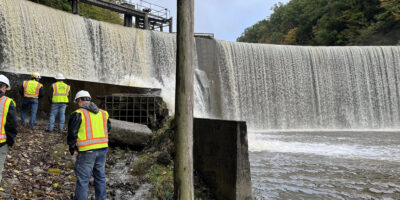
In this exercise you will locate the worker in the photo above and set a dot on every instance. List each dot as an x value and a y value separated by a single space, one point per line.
88 130
9 122
32 91
59 97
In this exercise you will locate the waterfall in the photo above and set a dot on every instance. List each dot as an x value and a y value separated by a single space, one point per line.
36 38
295 87
269 86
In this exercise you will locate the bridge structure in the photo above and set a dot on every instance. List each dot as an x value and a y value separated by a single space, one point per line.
147 15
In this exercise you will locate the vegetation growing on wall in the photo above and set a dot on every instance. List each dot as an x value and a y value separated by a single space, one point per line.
86 10
326 22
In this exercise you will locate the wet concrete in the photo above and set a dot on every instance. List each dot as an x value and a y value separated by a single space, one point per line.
221 157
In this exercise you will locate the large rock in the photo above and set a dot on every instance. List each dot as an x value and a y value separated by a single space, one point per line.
129 134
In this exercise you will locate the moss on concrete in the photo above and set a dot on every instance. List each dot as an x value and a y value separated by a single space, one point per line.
161 176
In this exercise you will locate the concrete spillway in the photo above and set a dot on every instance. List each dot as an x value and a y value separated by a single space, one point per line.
270 86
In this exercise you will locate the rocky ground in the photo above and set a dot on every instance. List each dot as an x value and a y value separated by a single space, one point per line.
39 166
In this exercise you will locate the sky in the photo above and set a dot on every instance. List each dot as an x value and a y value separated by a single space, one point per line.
227 19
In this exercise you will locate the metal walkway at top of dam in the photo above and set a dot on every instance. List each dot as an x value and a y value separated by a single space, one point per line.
148 16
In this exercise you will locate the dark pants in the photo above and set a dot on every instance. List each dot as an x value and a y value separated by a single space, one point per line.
34 107
88 163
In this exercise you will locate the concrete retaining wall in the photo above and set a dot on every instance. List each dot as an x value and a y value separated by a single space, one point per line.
221 157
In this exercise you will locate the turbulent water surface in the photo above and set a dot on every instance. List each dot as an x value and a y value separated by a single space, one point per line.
325 165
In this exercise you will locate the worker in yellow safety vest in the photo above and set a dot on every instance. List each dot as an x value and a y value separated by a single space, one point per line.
59 97
88 130
32 91
8 120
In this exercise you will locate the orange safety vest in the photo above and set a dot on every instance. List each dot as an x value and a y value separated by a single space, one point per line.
93 132
31 89
4 106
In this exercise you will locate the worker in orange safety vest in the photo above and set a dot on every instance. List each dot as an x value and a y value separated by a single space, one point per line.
88 130
31 91
8 120
59 97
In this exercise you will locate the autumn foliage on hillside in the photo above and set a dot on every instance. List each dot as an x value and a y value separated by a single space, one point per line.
329 22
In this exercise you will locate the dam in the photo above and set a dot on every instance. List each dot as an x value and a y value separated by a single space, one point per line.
286 94
269 86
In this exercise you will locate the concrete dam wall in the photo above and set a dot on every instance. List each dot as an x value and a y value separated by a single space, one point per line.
269 86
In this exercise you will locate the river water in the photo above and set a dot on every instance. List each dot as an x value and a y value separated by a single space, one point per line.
325 165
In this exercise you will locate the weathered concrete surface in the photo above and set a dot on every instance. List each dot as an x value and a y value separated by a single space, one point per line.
129 134
207 57
221 157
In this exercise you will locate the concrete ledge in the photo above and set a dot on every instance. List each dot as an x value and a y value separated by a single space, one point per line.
221 157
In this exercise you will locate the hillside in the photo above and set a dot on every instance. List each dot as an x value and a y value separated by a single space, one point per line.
86 10
327 22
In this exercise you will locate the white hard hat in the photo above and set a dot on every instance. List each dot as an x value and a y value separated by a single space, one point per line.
36 75
82 93
4 79
60 76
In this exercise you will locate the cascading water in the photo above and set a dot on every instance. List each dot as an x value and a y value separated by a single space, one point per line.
38 38
291 87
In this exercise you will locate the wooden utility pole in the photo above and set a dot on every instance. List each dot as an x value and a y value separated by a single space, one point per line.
183 169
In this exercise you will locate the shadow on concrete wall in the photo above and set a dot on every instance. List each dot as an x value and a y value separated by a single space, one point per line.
95 89
221 157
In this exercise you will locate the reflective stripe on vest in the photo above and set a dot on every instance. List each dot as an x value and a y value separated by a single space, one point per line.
90 137
60 92
4 106
31 89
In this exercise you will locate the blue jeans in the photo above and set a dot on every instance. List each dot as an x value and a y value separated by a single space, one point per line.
57 108
88 163
34 107
3 155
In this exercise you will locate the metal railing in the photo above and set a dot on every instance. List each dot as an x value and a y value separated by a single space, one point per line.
152 8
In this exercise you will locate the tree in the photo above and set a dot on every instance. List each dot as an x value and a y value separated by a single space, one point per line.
327 22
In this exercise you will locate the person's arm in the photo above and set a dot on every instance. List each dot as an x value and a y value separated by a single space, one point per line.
11 125
69 95
74 124
21 90
109 126
41 92
51 94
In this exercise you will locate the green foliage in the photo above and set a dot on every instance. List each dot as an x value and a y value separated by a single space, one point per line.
86 10
144 162
100 14
163 139
57 4
162 178
327 22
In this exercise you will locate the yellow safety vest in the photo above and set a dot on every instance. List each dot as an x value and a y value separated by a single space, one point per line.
31 89
60 92
93 132
4 106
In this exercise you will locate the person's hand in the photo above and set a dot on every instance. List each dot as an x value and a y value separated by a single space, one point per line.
76 153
